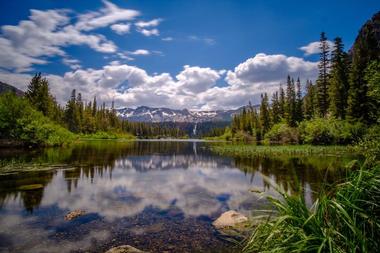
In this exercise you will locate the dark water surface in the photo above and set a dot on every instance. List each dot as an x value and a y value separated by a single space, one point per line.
156 196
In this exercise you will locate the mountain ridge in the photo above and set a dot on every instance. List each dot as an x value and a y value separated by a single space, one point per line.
4 87
164 114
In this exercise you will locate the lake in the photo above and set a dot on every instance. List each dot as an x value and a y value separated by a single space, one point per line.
160 196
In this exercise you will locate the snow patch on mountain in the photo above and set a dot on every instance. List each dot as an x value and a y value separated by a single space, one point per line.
149 114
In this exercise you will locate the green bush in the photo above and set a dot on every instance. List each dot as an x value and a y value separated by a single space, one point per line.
19 121
283 134
322 131
370 143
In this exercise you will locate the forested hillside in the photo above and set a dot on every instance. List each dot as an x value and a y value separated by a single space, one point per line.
338 108
35 118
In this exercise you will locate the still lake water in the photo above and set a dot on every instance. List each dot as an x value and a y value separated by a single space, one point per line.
157 196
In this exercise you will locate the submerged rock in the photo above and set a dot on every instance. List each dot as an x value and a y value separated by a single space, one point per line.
124 249
30 187
229 219
74 214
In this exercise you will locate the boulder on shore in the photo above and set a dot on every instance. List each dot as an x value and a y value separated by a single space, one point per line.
229 219
74 214
124 249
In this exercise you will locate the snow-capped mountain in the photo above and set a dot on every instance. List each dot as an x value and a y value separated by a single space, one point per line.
149 114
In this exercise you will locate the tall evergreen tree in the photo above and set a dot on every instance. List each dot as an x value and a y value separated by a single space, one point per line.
339 86
276 114
372 77
282 102
265 114
94 107
290 105
309 101
366 49
299 111
39 95
71 114
323 77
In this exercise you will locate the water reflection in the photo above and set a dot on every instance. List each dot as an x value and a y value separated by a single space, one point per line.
139 189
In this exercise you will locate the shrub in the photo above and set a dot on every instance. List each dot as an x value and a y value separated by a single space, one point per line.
370 143
322 131
282 133
19 121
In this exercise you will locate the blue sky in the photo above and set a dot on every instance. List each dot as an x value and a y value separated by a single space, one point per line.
193 54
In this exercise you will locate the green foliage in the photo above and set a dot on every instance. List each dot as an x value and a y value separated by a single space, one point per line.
40 98
107 136
19 121
247 150
290 103
366 49
321 131
347 220
298 108
264 114
338 87
275 109
309 99
281 133
323 77
370 143
372 77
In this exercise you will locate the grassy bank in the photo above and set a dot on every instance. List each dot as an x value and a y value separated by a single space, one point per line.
106 136
250 150
346 219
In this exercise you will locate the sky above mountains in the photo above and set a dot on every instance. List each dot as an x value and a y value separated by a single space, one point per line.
176 54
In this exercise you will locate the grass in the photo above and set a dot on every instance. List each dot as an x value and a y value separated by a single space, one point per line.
346 219
106 136
250 150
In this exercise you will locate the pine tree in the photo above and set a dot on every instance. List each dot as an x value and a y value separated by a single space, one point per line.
365 50
71 114
282 102
94 107
372 77
339 86
80 108
264 114
309 101
276 114
39 95
323 77
299 111
290 105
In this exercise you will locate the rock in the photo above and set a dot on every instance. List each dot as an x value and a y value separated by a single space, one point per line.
229 219
154 228
74 214
124 249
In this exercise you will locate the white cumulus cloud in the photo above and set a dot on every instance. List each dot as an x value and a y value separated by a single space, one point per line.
106 16
194 87
151 23
313 47
121 28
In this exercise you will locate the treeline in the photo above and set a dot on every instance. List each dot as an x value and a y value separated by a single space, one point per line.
337 109
89 118
37 119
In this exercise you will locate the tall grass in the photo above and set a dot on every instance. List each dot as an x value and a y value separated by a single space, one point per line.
248 150
345 220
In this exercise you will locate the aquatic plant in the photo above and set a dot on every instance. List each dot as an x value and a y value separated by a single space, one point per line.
344 220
